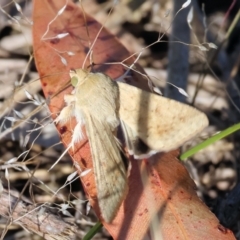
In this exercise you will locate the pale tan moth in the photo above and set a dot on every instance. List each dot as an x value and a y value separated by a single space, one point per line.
99 103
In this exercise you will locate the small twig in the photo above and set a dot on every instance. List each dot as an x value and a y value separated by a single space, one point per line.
39 220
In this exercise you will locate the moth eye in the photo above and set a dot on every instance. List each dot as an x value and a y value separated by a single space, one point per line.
74 81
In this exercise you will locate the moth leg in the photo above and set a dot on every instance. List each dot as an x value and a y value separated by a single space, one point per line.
69 99
134 144
68 111
65 115
77 133
128 142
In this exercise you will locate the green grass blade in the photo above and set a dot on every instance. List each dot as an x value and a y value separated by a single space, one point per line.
95 229
210 141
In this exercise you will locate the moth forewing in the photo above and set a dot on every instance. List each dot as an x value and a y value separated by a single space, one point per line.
163 124
110 172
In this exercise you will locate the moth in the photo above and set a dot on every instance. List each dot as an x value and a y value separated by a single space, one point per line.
102 105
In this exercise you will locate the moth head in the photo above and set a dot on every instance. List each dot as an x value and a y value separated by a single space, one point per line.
78 76
74 81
